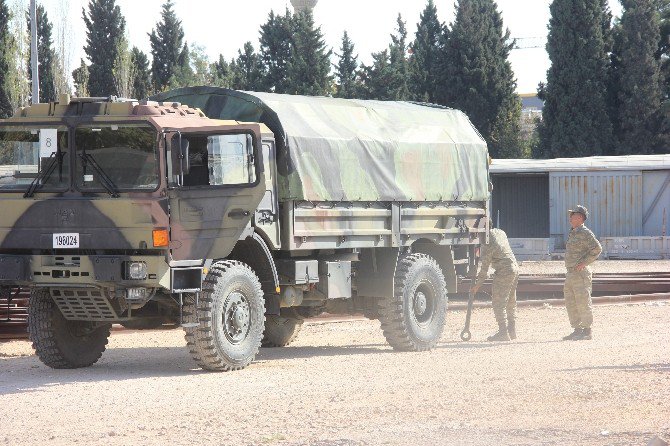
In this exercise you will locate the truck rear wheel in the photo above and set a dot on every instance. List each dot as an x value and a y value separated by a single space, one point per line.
413 318
281 330
58 342
230 315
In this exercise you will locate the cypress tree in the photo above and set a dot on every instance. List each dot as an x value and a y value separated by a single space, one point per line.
221 73
478 76
663 53
167 41
638 75
426 51
399 86
275 51
5 52
575 117
45 55
308 69
105 27
346 70
142 80
247 70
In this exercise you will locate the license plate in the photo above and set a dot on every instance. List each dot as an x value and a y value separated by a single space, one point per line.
66 240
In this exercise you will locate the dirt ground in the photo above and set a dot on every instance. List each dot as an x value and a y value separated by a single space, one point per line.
341 385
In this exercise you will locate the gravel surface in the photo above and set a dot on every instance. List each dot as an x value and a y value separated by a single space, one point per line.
340 384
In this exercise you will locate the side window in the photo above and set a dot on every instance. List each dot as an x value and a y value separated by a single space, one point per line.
220 160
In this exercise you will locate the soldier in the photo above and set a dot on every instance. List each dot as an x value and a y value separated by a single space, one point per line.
582 249
498 253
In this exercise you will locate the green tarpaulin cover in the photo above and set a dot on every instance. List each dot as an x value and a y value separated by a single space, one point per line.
353 150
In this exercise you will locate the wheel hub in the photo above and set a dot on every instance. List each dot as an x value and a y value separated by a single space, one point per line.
236 317
420 303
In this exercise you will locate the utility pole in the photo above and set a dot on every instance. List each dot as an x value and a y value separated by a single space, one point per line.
33 52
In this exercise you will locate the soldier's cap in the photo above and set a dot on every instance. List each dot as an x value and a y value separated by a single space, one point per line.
579 209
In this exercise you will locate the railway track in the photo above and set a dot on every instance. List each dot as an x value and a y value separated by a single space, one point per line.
647 286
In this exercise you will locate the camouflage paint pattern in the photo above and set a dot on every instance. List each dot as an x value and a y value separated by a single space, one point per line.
353 150
582 248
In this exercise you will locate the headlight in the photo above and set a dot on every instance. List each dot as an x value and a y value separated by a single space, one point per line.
136 271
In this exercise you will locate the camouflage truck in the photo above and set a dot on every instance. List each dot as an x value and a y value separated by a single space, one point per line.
236 216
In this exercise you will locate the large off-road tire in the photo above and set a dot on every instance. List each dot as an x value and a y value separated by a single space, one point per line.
413 318
281 330
58 342
230 315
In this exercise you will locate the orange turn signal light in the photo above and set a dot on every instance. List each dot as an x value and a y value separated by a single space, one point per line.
161 239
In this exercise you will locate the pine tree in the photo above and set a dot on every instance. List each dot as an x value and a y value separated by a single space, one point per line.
246 70
105 27
167 41
399 86
5 45
275 51
142 81
663 53
221 73
638 75
425 59
575 117
308 70
478 76
346 72
124 70
45 55
377 77
80 76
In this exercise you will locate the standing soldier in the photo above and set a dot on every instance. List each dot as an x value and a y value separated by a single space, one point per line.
582 249
498 253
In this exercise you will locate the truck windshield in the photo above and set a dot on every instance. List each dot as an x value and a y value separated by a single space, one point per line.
116 157
34 156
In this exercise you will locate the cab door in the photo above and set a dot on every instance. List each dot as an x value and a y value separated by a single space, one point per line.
216 182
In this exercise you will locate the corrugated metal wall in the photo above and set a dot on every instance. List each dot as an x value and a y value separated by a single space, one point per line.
522 202
656 193
614 201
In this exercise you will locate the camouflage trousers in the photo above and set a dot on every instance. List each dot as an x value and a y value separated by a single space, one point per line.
577 293
504 295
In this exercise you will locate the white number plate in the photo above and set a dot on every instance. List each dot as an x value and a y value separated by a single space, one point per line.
66 240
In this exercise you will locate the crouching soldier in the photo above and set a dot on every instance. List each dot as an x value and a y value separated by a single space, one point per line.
498 253
581 250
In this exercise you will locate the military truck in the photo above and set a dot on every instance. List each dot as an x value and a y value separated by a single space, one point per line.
236 216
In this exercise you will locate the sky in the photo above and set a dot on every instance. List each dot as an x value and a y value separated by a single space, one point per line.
223 26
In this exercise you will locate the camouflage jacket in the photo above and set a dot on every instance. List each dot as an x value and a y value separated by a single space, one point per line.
582 247
497 253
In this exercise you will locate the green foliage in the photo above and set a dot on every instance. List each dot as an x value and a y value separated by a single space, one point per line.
6 42
105 29
346 70
575 117
80 76
247 70
638 78
142 79
478 76
221 73
275 51
663 52
425 59
167 47
45 55
308 69
377 77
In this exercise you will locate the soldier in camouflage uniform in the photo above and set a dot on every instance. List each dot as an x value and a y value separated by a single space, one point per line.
498 253
582 249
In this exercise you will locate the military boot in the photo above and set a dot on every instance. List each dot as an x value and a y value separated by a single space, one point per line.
574 335
511 329
585 335
501 336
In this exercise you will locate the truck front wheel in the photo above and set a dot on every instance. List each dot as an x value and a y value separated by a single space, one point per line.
230 317
61 343
413 318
